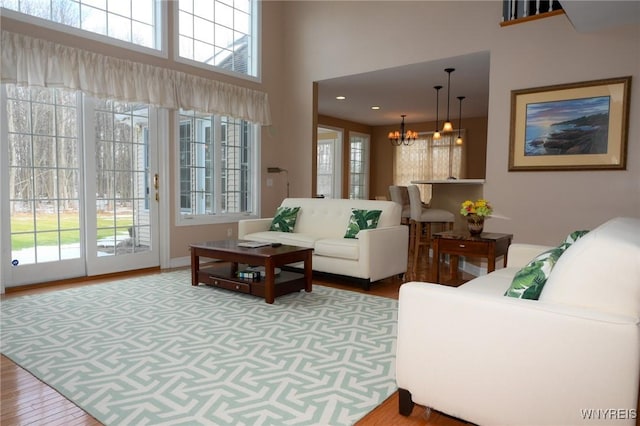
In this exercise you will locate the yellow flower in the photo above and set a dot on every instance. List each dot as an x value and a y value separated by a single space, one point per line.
480 207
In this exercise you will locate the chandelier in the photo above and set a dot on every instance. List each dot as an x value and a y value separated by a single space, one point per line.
448 125
459 139
402 137
436 134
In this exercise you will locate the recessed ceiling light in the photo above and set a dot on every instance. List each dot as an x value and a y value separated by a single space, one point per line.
341 98
375 107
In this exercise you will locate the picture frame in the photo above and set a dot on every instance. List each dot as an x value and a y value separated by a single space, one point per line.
577 126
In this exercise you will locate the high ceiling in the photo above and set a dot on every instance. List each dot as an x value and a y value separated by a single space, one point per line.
408 89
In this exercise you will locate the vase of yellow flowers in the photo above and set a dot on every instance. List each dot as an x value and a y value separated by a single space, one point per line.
476 212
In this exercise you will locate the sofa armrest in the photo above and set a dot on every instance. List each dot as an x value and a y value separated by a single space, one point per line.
521 254
249 226
498 360
384 251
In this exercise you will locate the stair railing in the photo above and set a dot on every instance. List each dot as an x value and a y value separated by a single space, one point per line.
516 11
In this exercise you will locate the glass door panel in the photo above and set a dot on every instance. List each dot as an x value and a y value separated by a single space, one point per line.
44 186
124 216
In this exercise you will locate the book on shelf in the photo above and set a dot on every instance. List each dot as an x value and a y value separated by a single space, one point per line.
249 275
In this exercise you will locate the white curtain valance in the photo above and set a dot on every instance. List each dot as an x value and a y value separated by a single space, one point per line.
27 61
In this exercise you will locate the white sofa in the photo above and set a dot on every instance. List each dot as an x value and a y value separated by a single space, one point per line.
570 358
321 224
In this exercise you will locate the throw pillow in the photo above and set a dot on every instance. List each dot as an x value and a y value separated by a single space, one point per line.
574 236
362 219
285 219
529 281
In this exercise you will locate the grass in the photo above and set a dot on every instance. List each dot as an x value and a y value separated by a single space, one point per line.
46 226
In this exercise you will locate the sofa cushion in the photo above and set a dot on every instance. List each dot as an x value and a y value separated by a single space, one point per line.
362 219
529 281
328 218
284 219
287 238
343 248
494 283
601 270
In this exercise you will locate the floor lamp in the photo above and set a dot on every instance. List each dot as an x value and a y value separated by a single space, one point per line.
280 170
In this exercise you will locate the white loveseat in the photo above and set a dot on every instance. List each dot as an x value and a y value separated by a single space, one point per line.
570 358
322 223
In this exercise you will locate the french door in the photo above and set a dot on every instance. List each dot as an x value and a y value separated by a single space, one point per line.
80 194
329 162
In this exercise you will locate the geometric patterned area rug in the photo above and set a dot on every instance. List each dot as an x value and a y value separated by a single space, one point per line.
155 350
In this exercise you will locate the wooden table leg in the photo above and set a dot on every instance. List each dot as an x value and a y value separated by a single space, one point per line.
436 261
453 265
308 272
195 266
269 281
491 263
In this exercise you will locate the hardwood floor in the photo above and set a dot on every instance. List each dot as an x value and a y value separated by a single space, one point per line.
24 400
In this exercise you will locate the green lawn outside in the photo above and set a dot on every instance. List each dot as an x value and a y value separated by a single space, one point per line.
22 228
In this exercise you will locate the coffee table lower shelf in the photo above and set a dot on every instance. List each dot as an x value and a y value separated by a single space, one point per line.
221 275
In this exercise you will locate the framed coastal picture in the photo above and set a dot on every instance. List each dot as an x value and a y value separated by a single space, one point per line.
578 126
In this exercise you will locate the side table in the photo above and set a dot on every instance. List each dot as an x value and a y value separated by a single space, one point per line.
486 245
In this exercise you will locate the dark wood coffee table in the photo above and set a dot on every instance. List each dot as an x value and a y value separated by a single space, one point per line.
270 286
488 245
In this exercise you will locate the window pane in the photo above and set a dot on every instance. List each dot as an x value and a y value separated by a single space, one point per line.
204 8
119 27
358 167
119 19
217 161
66 12
186 24
203 30
222 34
120 7
94 20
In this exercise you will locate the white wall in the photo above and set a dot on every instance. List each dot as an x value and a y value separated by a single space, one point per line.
331 39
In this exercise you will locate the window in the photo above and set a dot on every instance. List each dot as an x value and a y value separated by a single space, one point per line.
359 166
219 33
329 163
132 21
218 159
429 159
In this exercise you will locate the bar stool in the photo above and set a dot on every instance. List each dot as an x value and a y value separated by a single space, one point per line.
424 216
400 194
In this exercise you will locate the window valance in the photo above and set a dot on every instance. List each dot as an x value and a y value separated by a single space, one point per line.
29 61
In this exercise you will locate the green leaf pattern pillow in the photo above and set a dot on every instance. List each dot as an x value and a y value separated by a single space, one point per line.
529 281
285 219
362 219
574 236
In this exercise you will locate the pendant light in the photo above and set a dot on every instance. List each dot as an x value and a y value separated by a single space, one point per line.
448 126
402 137
459 139
436 134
